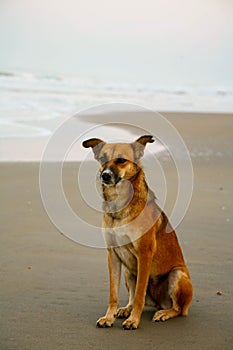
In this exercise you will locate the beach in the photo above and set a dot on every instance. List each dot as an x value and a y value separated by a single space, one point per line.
53 290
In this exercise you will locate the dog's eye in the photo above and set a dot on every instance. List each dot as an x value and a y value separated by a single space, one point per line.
103 159
121 160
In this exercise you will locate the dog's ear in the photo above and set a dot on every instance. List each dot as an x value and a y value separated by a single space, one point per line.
95 144
139 145
144 139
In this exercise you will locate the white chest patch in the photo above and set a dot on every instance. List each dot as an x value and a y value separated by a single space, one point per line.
127 257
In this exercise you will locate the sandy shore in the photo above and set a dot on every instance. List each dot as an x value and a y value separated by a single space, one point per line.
53 290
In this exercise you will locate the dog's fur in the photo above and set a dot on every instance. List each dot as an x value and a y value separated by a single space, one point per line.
139 236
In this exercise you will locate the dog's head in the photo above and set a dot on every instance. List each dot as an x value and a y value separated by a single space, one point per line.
118 161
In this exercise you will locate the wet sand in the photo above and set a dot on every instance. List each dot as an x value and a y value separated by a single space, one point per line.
53 290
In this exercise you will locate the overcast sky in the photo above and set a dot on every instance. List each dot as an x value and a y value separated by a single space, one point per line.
164 42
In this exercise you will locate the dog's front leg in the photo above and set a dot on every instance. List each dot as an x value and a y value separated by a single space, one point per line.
143 272
114 266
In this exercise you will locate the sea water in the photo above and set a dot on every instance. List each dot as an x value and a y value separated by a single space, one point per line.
32 106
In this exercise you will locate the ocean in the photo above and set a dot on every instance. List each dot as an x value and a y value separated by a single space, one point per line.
33 106
28 100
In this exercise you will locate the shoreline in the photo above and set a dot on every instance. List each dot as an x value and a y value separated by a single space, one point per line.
189 126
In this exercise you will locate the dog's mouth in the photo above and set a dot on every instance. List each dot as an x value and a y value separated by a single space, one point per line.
108 177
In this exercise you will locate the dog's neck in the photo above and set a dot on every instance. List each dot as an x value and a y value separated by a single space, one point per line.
119 199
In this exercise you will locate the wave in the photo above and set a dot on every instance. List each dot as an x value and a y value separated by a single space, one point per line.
50 83
16 130
6 74
30 98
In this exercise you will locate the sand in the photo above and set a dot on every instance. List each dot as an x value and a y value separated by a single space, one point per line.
53 290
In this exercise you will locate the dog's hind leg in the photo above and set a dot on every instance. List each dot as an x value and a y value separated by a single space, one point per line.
130 282
180 291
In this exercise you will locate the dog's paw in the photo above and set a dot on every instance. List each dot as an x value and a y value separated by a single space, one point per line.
130 323
123 312
163 315
159 316
104 322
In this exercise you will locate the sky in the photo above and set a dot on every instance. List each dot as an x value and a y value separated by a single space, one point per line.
160 42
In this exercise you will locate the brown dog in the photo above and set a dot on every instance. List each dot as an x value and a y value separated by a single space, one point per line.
139 236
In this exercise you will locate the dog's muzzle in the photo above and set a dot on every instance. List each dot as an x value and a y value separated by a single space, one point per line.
108 177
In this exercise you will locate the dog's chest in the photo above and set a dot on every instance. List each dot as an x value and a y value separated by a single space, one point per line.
128 257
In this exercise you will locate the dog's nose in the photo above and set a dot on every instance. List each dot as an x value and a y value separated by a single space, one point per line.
106 176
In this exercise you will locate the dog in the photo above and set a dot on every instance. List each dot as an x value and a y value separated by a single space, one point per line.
138 236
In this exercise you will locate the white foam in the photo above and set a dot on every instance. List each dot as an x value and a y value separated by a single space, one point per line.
10 129
30 103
